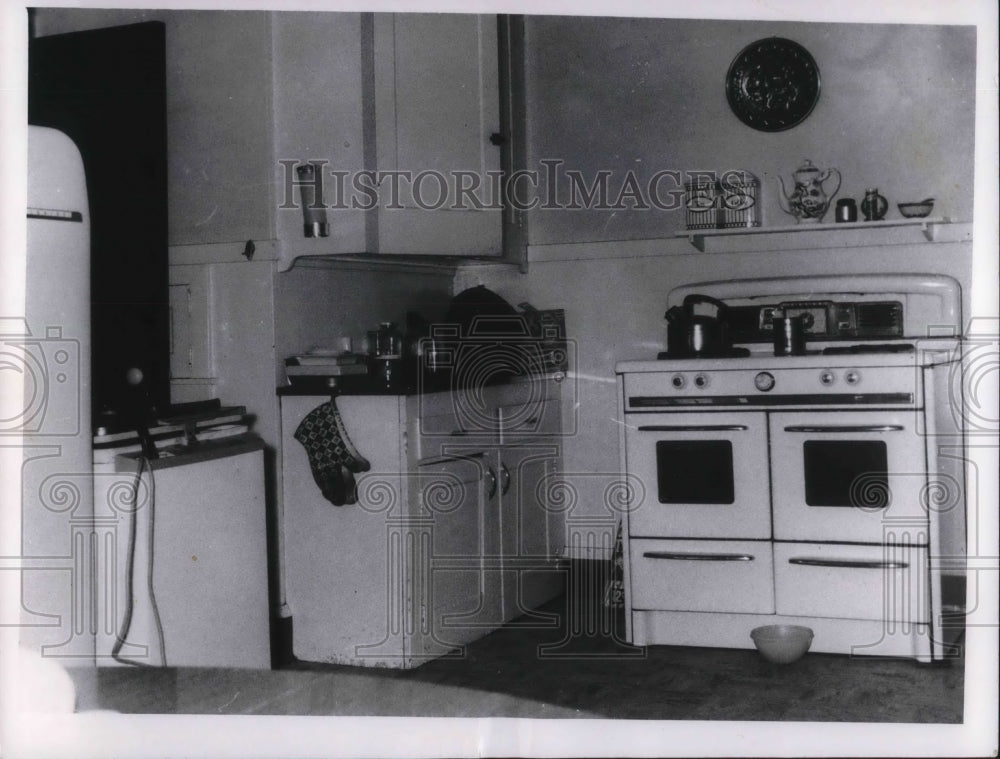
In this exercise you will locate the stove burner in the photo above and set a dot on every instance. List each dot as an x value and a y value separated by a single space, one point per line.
851 350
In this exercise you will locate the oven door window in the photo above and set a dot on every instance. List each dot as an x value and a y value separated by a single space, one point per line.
848 476
695 471
698 475
846 473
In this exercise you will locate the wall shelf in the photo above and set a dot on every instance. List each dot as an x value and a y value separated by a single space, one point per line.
808 235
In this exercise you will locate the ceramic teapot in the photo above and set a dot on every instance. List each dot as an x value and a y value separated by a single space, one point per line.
808 200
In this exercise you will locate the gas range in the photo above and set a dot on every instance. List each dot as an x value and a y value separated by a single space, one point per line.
819 489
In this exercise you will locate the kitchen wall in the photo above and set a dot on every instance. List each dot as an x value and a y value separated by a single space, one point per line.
896 111
319 300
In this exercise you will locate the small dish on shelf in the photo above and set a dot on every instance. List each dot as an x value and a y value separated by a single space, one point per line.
918 210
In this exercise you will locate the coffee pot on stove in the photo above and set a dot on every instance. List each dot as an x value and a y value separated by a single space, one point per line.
695 331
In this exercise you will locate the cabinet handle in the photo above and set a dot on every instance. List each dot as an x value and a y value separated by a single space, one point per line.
504 479
458 433
431 460
681 556
850 563
497 139
848 428
491 479
693 428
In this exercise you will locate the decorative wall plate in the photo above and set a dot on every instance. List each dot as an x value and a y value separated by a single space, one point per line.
773 84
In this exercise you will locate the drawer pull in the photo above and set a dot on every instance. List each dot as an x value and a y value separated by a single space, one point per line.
848 428
850 563
681 556
491 483
693 428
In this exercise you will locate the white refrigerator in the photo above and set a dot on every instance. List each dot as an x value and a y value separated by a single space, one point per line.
49 352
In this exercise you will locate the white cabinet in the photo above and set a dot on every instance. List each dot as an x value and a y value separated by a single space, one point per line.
219 128
436 106
318 116
251 96
513 433
197 551
532 528
450 537
343 567
459 603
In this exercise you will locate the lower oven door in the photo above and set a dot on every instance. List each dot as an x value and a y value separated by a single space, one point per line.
848 476
703 475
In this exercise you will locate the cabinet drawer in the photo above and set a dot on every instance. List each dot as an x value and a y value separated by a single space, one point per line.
702 575
534 418
852 581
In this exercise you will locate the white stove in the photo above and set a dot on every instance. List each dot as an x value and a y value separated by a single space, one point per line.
807 489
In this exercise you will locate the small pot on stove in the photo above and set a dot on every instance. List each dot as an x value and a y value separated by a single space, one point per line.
698 334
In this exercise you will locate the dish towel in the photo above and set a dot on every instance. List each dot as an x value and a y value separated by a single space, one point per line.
332 458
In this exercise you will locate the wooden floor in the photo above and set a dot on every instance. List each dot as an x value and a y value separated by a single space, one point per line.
539 667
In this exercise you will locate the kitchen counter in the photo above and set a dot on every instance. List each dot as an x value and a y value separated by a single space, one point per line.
368 385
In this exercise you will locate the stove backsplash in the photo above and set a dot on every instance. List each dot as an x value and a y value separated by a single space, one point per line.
825 320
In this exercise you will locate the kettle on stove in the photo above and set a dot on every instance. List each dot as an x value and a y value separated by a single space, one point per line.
693 333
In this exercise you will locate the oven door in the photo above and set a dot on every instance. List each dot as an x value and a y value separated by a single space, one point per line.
704 475
847 476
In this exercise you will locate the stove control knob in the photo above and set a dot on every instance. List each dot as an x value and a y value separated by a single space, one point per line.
677 381
826 377
764 381
852 377
701 380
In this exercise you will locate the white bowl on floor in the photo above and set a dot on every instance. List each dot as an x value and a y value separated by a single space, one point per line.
782 644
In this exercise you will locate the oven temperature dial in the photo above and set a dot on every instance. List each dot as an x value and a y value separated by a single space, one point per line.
701 380
826 377
852 377
764 381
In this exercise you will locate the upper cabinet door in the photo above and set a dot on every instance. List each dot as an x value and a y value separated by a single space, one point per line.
219 127
318 118
437 103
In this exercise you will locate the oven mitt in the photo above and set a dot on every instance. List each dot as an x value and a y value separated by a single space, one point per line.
332 458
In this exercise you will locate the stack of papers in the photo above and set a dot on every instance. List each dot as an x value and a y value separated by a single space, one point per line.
320 363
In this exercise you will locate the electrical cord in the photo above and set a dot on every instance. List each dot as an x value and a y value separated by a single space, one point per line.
129 565
149 572
130 568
